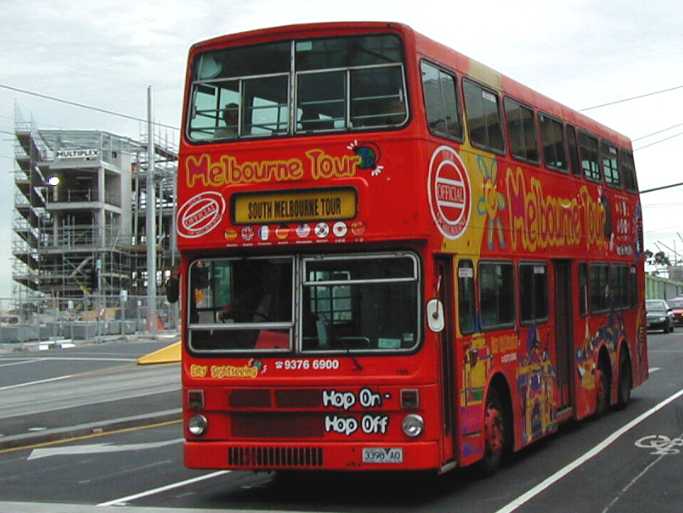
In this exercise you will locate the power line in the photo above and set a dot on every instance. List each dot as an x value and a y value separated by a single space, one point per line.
657 132
633 98
662 187
81 105
657 142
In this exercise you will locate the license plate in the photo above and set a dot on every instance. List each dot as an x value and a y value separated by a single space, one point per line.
294 206
382 455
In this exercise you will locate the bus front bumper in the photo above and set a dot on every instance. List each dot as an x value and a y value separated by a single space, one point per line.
338 456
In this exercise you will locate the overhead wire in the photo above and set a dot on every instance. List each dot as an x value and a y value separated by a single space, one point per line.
659 141
82 105
657 132
623 100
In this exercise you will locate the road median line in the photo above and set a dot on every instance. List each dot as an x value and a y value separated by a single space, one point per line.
88 430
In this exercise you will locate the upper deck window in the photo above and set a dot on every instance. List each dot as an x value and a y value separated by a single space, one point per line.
588 149
522 131
441 102
483 117
610 168
629 170
552 136
339 83
349 83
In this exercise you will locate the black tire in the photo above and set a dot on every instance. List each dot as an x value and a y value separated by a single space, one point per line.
603 392
497 438
625 381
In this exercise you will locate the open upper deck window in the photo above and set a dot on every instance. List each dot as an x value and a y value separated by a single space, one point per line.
241 92
343 83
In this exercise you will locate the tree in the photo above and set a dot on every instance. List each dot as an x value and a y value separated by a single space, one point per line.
658 259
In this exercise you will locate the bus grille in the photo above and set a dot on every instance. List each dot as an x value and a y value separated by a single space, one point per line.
277 425
275 457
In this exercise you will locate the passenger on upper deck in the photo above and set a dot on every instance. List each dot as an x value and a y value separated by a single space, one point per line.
230 117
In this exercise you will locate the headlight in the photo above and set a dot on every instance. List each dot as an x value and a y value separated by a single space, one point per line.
413 425
197 425
662 319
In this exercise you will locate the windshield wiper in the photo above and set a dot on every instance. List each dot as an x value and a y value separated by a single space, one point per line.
356 363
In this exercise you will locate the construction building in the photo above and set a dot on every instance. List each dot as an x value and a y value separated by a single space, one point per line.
79 216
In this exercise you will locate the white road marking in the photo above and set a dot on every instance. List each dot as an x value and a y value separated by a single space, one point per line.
23 362
552 479
654 369
663 446
628 486
97 448
123 500
29 383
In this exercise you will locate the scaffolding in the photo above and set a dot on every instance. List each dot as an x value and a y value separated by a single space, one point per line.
79 216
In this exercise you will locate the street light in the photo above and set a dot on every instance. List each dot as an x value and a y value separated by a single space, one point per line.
53 180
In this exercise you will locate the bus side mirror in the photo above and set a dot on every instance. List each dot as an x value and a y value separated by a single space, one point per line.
172 290
435 318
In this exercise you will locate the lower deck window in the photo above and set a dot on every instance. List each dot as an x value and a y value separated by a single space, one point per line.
496 294
359 304
241 304
351 303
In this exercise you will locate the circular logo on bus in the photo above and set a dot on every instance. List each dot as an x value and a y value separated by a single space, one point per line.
200 214
449 192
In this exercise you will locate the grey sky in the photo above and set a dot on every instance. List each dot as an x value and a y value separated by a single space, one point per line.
581 53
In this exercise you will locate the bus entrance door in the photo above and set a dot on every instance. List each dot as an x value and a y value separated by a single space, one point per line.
444 270
563 331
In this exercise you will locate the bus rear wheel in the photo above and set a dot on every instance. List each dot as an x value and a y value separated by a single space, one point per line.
625 381
495 432
603 390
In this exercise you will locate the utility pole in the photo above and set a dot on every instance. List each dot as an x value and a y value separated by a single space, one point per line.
151 229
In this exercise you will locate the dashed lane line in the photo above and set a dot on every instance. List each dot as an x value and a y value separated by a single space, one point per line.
552 479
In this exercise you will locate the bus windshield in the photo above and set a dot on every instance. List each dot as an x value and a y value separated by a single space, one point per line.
337 84
348 304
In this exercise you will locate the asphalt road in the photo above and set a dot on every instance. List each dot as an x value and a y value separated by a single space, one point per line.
627 461
41 391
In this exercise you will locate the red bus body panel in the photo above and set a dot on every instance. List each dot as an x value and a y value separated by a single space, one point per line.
268 412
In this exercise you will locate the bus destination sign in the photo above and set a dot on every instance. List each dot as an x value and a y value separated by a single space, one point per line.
291 206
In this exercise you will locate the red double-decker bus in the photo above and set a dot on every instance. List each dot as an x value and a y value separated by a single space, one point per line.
394 257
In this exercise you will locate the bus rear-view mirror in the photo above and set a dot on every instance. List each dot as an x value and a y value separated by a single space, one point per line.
435 318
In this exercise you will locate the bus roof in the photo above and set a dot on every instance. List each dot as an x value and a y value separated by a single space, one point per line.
432 50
